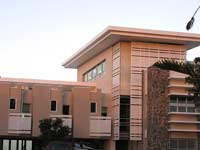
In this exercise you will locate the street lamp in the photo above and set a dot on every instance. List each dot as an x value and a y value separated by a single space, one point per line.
190 23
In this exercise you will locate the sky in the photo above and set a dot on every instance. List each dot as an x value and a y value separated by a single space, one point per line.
37 36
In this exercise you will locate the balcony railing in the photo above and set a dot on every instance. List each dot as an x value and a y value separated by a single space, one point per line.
67 119
19 123
100 126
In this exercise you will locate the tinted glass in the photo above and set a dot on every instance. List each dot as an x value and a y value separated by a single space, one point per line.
53 105
173 109
12 103
182 109
173 143
93 107
65 109
190 109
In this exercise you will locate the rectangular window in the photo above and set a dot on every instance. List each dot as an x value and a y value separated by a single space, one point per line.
181 103
12 103
182 144
173 109
93 107
26 108
104 111
190 109
100 69
89 75
53 105
65 109
93 73
181 109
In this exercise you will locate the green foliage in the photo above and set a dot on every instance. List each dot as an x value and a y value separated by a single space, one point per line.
53 129
190 68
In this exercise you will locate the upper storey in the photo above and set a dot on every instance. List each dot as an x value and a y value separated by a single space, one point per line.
112 35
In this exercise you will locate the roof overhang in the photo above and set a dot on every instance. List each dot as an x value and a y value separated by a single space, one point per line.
111 35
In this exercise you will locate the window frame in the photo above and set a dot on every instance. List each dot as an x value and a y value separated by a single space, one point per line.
95 107
93 73
181 105
51 105
15 103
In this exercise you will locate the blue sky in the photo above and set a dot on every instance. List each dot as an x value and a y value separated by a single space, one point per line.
36 36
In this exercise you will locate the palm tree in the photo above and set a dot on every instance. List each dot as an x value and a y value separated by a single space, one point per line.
192 69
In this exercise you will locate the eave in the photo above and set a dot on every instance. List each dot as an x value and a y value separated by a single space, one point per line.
112 35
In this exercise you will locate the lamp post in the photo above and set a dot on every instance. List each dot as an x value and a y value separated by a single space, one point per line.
190 23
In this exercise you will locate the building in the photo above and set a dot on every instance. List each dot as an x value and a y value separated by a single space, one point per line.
24 102
125 53
118 92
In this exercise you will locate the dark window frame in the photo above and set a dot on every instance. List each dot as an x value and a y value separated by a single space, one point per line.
15 104
93 110
52 107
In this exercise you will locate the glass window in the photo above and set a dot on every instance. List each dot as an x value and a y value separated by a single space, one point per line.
181 99
190 100
26 108
173 143
65 109
100 69
53 105
12 103
173 108
103 66
182 109
173 99
104 111
182 143
94 72
89 75
93 107
191 144
190 109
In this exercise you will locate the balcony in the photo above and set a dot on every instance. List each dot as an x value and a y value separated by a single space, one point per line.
67 119
19 123
100 126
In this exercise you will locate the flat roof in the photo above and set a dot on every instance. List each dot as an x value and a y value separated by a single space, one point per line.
47 82
114 34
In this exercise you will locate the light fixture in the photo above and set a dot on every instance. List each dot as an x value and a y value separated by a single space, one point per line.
191 22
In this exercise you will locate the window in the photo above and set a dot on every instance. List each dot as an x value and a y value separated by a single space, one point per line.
181 103
65 109
53 105
26 108
12 103
93 107
182 144
95 72
104 111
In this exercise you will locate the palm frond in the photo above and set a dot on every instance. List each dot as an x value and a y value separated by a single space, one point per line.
174 65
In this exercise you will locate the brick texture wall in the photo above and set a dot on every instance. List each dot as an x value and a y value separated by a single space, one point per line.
158 104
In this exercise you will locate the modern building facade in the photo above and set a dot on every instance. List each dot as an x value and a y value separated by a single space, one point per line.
126 53
119 101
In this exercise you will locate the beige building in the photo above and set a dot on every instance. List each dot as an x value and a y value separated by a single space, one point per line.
117 100
125 54
24 102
